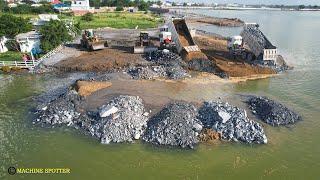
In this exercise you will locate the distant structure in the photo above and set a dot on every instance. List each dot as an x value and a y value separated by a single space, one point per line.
258 43
29 42
44 18
80 7
132 9
3 47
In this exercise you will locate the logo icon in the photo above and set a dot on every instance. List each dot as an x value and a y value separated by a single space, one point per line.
12 170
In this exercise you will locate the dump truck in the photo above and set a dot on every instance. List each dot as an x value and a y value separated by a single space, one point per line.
181 36
258 44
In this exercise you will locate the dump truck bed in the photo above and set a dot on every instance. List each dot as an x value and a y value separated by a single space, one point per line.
182 36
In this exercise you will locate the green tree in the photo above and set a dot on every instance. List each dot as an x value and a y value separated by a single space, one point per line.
119 8
95 3
10 25
143 6
53 33
3 5
87 17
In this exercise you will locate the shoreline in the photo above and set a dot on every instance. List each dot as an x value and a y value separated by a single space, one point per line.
239 9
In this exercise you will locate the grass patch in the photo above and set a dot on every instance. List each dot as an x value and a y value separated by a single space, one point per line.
120 20
26 16
11 56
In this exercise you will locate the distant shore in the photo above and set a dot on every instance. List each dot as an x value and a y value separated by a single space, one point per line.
237 8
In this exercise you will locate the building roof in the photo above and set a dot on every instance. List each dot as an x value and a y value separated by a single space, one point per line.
29 35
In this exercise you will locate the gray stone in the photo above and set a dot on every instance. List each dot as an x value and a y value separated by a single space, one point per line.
175 125
231 122
272 112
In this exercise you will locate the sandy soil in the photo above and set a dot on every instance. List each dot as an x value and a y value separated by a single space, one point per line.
86 88
102 60
216 50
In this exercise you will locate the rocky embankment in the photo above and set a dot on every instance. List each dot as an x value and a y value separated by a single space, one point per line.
124 118
272 112
231 122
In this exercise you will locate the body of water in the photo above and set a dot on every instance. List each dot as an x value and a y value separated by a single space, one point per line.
291 153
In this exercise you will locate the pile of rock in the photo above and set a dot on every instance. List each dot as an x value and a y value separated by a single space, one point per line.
231 122
147 72
123 119
272 112
60 111
175 125
161 71
165 58
168 64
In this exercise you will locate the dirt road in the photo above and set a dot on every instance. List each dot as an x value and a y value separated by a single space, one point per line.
103 60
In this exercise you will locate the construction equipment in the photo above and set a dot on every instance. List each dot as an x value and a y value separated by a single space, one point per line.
259 46
143 45
181 36
165 38
92 42
235 43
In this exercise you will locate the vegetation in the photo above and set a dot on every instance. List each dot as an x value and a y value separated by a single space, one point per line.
53 33
119 8
28 9
87 17
10 25
3 5
12 45
120 20
11 56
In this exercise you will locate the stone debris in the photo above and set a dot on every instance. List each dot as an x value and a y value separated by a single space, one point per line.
164 65
174 125
60 111
147 72
107 110
165 58
231 122
123 119
272 112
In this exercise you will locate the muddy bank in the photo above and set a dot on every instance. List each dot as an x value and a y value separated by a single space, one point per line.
227 22
193 18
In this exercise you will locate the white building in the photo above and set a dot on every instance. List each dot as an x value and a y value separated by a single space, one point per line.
80 5
3 47
29 41
44 18
132 9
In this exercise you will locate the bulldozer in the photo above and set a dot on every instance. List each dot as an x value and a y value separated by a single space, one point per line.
92 42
